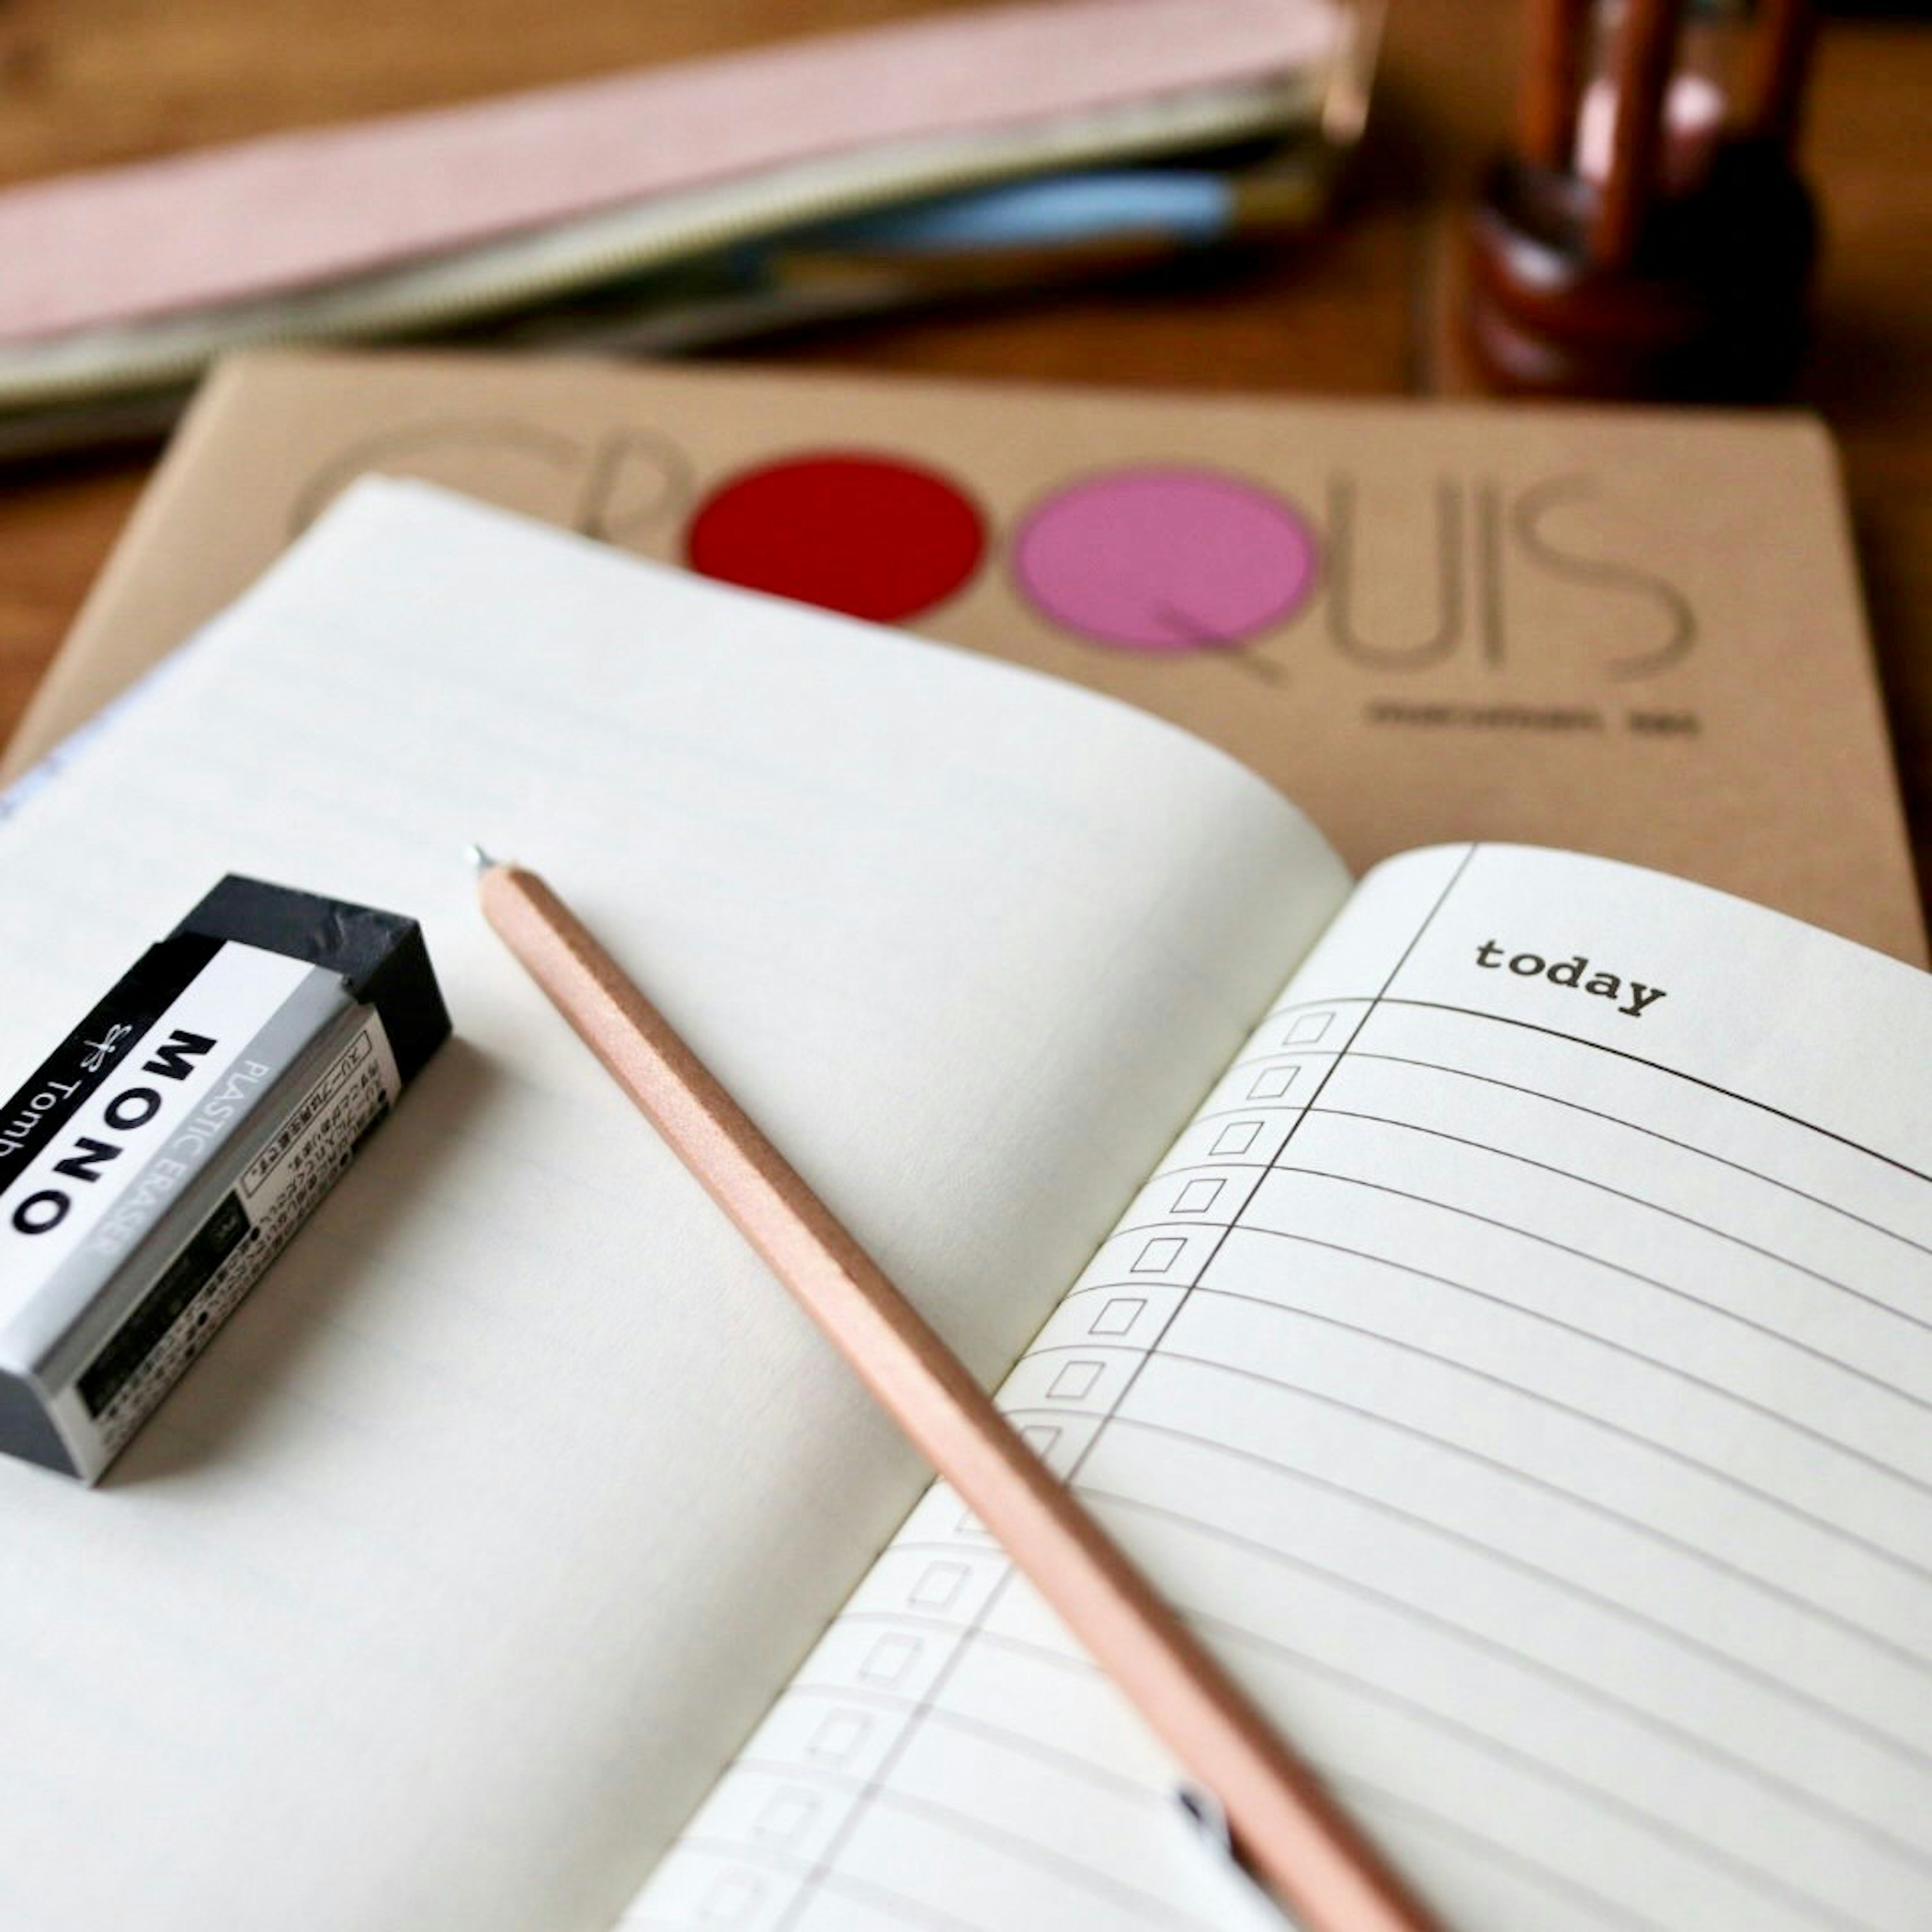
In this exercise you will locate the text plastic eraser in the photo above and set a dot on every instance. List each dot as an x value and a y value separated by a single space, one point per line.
162 1155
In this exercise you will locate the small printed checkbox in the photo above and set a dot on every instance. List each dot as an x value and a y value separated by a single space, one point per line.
1075 1380
1118 1316
1041 1437
786 1816
1237 1138
839 1735
1198 1196
732 1899
939 1586
1308 1029
888 1659
1159 1254
1272 1082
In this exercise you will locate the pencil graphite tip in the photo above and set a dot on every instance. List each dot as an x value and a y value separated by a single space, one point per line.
480 861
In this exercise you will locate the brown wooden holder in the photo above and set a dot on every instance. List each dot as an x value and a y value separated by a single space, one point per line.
1625 290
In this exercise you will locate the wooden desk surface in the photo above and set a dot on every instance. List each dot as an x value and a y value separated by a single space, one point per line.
85 82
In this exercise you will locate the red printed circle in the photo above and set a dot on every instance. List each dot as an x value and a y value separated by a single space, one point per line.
870 535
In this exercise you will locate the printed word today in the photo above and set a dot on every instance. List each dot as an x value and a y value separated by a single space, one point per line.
1570 973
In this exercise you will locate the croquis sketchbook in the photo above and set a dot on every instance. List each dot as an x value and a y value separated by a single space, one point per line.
1490 1298
1634 631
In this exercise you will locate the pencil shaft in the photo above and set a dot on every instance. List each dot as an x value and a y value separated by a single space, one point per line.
1283 1820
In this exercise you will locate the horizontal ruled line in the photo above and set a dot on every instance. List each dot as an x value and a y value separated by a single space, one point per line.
1070 1761
1031 1852
1629 1274
1691 1742
1492 1851
1543 1769
1717 1391
1764 1681
1726 1477
1652 1133
1696 1553
1083 1666
766 1858
1636 1200
1670 1072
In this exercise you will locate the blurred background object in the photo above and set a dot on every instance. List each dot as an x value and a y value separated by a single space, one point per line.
1649 236
1011 149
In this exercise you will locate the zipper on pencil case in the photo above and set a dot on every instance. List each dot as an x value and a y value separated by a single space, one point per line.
517 275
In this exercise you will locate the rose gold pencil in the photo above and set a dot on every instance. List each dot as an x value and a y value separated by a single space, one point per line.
1285 1826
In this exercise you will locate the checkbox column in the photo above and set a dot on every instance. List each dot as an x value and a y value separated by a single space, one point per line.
1279 1071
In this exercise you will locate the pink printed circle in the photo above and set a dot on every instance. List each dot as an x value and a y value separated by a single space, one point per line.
1165 559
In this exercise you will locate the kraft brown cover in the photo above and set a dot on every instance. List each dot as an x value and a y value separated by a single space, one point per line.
1628 632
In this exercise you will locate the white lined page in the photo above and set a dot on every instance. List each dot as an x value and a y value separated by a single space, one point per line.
439 1590
1528 1397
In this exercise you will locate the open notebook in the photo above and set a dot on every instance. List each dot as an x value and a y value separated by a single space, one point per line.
1512 1345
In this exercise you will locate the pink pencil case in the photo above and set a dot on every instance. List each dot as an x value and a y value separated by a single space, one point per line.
121 285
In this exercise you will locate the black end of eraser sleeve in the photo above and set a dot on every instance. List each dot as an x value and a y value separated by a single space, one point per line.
381 955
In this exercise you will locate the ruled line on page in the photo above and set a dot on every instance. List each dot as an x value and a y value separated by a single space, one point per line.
1696 1553
955 1818
1740 1870
1499 1382
908 1909
1094 1774
1764 1680
1520 1658
1637 1127
1729 1315
1671 1073
1778 1418
1375 1799
1622 1194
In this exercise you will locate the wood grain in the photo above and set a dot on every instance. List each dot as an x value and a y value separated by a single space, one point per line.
85 82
